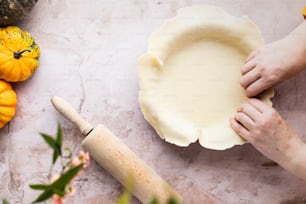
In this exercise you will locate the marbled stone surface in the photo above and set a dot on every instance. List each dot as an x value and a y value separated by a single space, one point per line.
89 52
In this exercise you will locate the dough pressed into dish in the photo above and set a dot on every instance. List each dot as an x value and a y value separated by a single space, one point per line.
189 78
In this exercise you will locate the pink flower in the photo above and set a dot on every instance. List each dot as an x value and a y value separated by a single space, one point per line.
57 200
84 157
75 161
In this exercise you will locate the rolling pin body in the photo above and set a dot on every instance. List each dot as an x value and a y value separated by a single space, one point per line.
118 159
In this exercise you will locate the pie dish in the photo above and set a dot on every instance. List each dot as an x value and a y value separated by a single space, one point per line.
189 77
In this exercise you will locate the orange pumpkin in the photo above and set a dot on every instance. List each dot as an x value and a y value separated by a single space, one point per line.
18 54
8 101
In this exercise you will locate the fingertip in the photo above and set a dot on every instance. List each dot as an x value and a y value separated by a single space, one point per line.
253 90
250 94
242 82
245 84
233 123
249 79
238 128
248 66
246 81
232 119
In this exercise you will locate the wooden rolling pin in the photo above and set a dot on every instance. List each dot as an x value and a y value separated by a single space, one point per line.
117 159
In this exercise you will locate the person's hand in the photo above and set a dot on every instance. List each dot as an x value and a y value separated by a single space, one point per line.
264 128
269 65
260 124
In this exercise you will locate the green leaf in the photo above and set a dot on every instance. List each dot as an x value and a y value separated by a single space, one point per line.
4 201
40 187
54 145
49 140
54 157
125 198
172 201
154 201
61 183
60 193
44 196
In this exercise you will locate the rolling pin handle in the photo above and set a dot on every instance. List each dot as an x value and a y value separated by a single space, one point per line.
65 109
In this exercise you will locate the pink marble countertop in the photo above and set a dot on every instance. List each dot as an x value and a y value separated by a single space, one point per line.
89 52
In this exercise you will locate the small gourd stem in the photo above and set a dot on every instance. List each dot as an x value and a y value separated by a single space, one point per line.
18 54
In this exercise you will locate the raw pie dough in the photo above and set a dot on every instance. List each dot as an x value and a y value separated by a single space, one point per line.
189 78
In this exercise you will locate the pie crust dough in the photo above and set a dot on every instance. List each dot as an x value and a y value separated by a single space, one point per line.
189 78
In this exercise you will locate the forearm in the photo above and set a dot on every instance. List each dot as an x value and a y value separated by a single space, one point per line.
297 39
295 155
296 159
